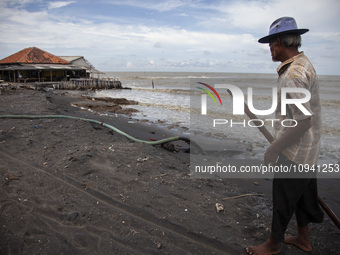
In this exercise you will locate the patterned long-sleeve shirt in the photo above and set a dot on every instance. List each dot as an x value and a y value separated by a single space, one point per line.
298 72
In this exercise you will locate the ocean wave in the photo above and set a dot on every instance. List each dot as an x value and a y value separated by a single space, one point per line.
169 107
169 91
330 103
331 130
166 77
325 102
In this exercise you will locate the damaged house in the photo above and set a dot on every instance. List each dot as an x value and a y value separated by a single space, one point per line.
35 65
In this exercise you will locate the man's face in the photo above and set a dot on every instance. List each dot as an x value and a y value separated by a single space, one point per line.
275 49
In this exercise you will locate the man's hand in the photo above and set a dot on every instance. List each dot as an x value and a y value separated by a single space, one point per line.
288 138
271 155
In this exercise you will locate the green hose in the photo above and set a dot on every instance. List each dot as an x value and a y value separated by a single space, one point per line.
166 140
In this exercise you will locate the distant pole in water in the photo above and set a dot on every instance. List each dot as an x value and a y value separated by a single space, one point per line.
153 85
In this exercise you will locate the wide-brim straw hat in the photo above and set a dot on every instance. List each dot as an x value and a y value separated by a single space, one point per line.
284 25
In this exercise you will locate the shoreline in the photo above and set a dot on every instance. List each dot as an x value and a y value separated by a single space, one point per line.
77 188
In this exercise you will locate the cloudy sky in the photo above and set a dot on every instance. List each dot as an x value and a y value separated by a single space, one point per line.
173 35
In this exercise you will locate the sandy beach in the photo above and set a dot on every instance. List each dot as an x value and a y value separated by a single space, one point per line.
74 187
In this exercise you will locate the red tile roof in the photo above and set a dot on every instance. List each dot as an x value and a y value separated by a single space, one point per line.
33 55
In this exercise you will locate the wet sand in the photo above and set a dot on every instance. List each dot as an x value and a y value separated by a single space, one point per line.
73 187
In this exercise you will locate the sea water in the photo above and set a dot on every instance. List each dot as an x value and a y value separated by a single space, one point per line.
164 97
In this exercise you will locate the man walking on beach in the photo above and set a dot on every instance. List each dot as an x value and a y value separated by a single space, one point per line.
293 146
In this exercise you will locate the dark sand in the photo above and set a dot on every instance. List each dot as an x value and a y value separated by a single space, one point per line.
72 187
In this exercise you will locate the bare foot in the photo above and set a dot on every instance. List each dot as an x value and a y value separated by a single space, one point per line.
267 248
301 243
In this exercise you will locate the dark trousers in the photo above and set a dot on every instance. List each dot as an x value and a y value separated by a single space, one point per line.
294 195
